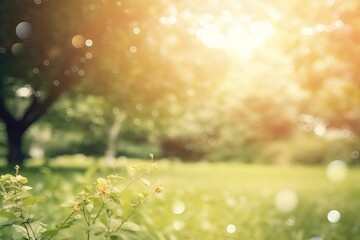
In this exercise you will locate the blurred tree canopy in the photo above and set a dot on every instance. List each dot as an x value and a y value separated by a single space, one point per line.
130 52
207 79
322 37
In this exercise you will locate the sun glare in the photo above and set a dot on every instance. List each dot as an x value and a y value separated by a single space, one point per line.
240 37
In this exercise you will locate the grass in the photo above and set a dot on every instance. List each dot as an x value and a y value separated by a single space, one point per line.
222 201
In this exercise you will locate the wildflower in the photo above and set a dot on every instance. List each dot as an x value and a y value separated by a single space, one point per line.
21 179
158 187
75 207
102 187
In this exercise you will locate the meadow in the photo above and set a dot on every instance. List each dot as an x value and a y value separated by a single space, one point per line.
209 201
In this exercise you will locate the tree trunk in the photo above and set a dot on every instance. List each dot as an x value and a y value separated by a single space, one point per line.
112 137
16 127
15 154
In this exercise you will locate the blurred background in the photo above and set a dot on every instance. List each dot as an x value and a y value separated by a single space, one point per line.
251 81
87 84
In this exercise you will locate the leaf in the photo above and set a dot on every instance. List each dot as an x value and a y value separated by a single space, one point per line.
21 179
145 181
49 233
99 228
26 188
8 215
115 237
131 227
30 200
68 224
6 222
115 196
134 205
114 178
89 207
142 195
6 177
19 229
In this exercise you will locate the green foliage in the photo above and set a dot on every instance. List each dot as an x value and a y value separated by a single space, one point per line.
136 62
16 207
97 207
202 199
191 101
309 149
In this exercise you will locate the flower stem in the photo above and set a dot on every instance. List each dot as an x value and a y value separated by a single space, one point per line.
128 216
62 224
97 215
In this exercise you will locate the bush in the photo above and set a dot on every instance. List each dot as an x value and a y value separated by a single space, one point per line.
96 207
310 149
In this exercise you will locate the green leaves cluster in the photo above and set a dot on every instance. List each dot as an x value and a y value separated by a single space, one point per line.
16 206
101 207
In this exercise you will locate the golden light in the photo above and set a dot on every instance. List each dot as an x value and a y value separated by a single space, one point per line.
240 37
286 200
24 92
78 41
231 228
88 42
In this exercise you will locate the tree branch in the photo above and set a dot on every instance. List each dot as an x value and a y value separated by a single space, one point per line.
37 108
5 115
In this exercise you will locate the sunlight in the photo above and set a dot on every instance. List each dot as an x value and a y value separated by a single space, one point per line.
231 228
179 225
337 170
24 92
334 216
78 41
240 37
286 200
178 207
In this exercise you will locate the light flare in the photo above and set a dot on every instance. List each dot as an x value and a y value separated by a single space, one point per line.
231 228
178 207
17 48
78 41
23 30
24 92
334 216
286 200
337 170
178 225
241 37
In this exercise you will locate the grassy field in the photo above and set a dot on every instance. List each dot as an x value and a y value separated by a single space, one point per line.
212 201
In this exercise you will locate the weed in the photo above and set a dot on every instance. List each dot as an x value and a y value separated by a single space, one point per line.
97 206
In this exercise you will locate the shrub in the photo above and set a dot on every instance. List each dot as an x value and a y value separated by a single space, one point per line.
96 207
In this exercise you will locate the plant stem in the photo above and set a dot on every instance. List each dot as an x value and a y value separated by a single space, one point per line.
101 208
27 231
62 224
31 229
108 227
87 220
128 216
133 181
85 217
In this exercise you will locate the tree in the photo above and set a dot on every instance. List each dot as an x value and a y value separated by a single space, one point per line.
129 52
24 68
322 37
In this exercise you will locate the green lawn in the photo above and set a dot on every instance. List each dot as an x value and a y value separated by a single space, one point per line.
222 201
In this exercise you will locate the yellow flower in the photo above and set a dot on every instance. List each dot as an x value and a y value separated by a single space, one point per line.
75 207
158 187
102 187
